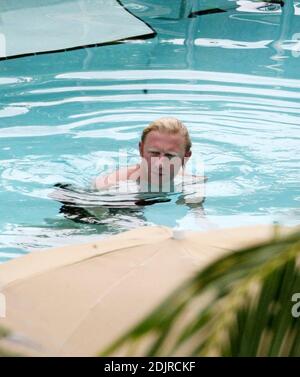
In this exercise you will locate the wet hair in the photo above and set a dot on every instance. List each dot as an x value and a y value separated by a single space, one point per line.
169 125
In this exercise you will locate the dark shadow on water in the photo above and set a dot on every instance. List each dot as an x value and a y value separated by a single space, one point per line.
113 211
83 215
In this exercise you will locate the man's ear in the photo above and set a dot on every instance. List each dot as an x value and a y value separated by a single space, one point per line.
186 157
188 154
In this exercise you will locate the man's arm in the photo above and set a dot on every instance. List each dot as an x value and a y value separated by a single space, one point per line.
107 181
194 193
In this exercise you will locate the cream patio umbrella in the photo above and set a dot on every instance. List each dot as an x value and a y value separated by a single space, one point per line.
76 300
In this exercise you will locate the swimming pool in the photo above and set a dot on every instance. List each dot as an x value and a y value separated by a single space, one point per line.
231 77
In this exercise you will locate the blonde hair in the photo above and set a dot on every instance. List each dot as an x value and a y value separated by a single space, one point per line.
169 125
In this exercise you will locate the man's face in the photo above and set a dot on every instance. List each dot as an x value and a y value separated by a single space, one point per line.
163 154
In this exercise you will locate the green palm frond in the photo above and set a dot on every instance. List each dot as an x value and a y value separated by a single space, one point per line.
3 334
240 305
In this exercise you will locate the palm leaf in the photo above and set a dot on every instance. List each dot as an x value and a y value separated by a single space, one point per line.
240 305
3 334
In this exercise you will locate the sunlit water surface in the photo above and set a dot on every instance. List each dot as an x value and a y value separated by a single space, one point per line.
67 117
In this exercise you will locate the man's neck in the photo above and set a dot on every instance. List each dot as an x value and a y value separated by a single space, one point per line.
158 185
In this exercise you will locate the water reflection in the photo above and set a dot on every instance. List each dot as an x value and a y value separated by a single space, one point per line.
284 35
109 207
64 117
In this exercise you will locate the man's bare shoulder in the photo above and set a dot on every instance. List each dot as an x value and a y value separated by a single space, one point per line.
127 173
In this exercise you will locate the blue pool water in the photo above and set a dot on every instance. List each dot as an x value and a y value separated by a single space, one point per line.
233 78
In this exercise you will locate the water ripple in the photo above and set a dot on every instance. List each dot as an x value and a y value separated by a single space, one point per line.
71 126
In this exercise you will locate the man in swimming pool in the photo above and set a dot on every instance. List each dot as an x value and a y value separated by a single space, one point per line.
165 148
